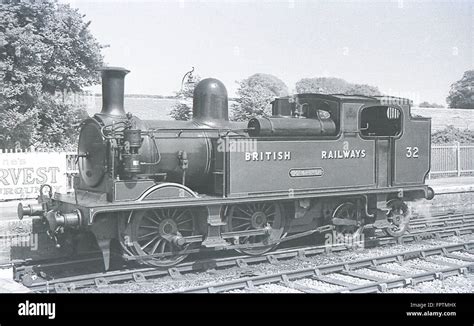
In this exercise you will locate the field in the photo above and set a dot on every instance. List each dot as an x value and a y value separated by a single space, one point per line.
158 109
440 118
144 108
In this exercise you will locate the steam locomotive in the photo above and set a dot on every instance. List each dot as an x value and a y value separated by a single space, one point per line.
162 190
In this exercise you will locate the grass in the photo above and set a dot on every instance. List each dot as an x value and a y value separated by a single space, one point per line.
440 118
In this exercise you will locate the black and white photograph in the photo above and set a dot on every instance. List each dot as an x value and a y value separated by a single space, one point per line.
281 154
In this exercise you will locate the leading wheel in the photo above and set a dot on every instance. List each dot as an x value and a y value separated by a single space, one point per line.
252 216
155 231
398 218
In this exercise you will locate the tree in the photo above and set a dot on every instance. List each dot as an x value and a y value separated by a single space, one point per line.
183 110
363 89
332 85
255 94
47 49
430 105
59 124
461 94
450 134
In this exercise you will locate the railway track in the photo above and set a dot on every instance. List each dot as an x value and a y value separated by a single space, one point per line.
440 219
438 227
364 275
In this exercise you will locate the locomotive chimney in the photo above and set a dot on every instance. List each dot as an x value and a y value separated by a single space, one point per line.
210 103
113 90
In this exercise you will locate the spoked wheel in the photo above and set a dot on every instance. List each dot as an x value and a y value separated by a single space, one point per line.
344 218
251 216
158 231
347 224
398 218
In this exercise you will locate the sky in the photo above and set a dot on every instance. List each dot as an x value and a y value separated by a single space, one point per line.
413 49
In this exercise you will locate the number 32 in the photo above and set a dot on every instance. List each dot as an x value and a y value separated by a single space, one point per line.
412 152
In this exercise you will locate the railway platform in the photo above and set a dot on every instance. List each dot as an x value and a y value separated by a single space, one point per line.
452 185
8 285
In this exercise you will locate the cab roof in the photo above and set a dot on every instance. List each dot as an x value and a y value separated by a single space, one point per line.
381 99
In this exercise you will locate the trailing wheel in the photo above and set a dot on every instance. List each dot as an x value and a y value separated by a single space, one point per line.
398 217
253 216
160 231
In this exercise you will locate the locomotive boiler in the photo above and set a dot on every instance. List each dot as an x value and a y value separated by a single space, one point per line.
162 190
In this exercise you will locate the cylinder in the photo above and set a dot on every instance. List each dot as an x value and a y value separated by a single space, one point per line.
210 102
290 127
113 90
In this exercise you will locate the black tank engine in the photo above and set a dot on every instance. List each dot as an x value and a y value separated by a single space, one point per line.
162 190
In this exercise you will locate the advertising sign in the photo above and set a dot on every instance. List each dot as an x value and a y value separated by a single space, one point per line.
22 174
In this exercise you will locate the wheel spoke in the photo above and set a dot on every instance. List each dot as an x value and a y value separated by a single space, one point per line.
185 221
241 225
243 211
150 242
173 213
148 227
155 246
146 235
163 246
181 214
270 207
250 207
152 220
156 213
241 218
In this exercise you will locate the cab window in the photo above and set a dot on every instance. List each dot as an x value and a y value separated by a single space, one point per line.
380 121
